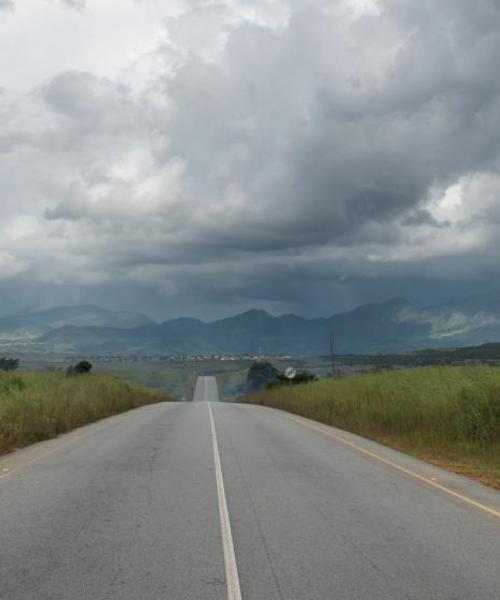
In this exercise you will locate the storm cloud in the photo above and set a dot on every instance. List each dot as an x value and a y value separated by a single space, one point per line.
292 155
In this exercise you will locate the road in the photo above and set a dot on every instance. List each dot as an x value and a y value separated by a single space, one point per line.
206 500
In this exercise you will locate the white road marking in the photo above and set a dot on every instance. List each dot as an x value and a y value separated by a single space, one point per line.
232 579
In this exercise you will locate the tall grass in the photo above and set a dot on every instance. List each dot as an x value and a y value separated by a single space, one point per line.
449 415
35 406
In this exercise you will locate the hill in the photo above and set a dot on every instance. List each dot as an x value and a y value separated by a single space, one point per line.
378 327
384 327
31 325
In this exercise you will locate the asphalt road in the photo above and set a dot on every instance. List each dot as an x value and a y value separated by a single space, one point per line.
206 390
205 500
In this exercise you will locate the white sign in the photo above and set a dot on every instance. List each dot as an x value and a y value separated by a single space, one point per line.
290 372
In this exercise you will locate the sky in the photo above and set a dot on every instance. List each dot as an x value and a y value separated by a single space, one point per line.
204 157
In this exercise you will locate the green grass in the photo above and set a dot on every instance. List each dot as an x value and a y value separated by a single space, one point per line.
447 415
38 406
179 382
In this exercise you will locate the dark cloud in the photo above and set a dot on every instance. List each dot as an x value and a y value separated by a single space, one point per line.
6 5
307 157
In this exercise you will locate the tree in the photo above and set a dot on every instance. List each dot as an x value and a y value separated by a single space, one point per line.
81 368
260 375
9 364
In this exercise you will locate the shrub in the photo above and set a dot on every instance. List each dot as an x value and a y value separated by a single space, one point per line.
300 378
260 375
81 368
9 364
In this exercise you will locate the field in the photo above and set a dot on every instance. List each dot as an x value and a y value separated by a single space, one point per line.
38 406
177 377
449 416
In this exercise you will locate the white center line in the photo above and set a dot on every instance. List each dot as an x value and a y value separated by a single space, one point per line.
232 580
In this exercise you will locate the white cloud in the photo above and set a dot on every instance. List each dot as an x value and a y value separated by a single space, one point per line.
11 265
78 4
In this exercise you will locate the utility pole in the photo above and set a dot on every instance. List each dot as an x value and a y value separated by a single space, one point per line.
332 352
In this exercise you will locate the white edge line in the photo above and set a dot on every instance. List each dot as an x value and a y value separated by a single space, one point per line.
232 579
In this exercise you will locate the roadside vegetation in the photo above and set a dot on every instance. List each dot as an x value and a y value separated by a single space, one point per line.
9 364
449 416
38 406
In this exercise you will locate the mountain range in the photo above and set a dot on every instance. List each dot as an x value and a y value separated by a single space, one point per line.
30 326
393 326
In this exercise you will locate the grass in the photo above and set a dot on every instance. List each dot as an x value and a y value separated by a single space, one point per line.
180 381
449 416
38 406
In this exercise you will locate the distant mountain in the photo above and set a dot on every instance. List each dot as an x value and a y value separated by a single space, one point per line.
393 326
244 333
368 328
28 326
467 321
378 327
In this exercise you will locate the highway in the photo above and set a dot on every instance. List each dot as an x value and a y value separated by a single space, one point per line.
207 500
